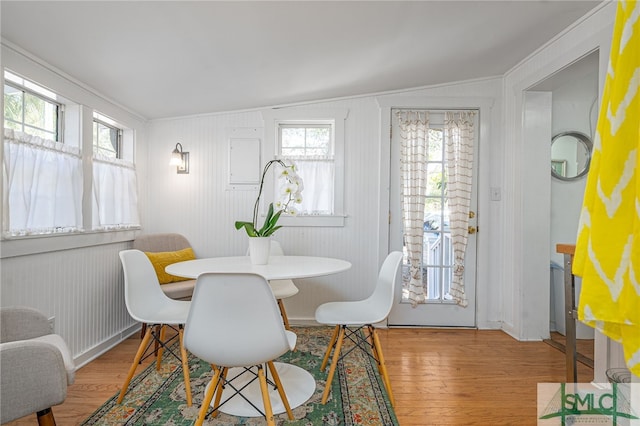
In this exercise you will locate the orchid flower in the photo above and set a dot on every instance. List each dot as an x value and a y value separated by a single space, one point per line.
292 193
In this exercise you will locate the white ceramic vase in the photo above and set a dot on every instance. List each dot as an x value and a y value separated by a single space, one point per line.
259 250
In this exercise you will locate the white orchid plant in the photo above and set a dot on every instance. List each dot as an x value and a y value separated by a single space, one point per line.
291 194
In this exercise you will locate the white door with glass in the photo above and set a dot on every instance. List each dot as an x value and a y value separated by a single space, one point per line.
433 216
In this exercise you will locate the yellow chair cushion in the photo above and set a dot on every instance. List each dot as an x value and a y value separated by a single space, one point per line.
161 260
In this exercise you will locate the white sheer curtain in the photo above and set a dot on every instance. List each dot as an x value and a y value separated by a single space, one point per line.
42 185
115 194
414 129
317 175
459 139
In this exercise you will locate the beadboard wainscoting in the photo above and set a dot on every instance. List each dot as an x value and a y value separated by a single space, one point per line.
81 289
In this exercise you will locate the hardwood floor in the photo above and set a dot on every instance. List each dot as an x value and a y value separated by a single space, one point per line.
438 376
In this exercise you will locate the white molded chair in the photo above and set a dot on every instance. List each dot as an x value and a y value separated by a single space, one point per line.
234 322
350 318
147 303
281 288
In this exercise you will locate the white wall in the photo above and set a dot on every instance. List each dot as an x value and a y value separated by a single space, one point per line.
200 206
525 267
77 279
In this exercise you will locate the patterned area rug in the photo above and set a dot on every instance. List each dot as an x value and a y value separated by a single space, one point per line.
357 397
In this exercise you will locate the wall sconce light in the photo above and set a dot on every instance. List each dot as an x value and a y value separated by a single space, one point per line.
180 159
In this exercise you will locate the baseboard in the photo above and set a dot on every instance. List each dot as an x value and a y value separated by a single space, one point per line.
303 322
490 325
93 353
311 322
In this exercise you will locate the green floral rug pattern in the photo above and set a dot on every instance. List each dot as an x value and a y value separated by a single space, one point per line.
357 397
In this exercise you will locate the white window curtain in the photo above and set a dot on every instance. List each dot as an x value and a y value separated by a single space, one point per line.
459 139
318 177
115 194
414 133
42 186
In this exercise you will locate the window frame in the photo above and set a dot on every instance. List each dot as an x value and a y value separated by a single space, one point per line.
119 132
59 132
336 117
306 125
75 127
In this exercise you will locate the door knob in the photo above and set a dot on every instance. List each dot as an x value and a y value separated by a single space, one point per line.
473 229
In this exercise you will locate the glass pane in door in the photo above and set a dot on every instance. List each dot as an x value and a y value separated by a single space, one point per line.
437 251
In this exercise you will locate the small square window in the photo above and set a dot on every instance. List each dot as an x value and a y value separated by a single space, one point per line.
305 140
31 109
107 140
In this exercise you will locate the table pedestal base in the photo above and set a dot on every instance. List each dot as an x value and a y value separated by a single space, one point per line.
298 385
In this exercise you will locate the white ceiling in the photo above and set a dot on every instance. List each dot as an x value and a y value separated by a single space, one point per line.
177 58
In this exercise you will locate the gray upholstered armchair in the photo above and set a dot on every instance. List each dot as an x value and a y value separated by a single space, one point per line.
36 366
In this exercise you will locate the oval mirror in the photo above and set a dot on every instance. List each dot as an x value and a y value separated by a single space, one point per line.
570 155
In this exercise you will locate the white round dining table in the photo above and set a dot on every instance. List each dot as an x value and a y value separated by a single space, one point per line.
298 383
277 268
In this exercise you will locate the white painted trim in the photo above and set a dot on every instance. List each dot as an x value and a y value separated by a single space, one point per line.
593 32
338 117
484 105
23 246
105 346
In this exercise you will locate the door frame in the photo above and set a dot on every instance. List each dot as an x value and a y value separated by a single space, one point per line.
486 294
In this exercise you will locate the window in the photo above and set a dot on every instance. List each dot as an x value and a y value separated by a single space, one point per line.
115 197
31 109
310 147
314 141
45 190
298 140
107 139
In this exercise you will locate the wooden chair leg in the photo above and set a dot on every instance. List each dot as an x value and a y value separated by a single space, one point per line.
207 397
45 417
382 366
334 362
283 312
156 344
336 329
281 392
220 389
143 330
185 367
136 361
268 411
160 350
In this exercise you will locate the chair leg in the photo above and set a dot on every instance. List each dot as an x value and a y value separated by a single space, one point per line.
136 361
143 330
160 350
185 366
268 411
381 365
334 362
281 392
208 396
220 389
336 329
45 417
283 312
